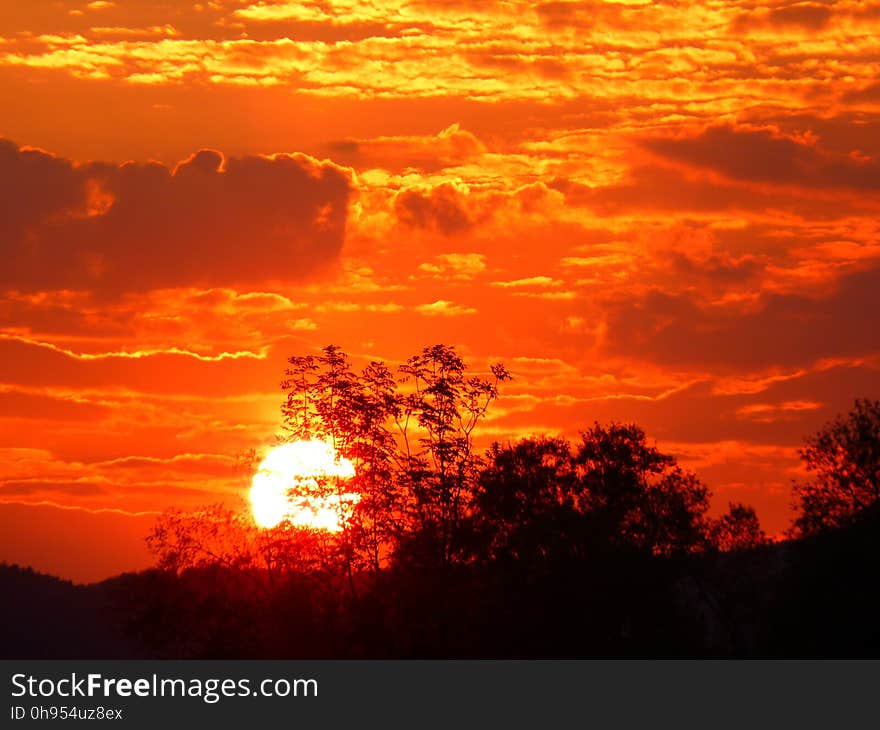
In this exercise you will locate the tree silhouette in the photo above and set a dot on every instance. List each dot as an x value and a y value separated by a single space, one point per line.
844 459
450 549
376 523
411 440
545 497
738 529
527 500
214 535
642 498
441 465
326 399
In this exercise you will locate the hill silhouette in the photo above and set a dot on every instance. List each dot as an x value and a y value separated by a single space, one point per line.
44 617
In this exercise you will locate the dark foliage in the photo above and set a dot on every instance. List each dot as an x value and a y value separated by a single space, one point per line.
815 597
829 593
844 461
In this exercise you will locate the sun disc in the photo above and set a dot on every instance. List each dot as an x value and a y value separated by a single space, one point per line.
283 488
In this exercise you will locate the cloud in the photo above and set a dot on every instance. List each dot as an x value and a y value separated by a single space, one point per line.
208 221
25 363
444 308
673 190
527 282
40 486
138 354
561 14
139 324
808 16
780 330
347 306
428 153
869 94
48 408
767 155
457 266
701 60
345 11
440 209
769 412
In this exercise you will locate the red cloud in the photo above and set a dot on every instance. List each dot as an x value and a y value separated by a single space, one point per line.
209 221
782 330
765 155
810 16
441 209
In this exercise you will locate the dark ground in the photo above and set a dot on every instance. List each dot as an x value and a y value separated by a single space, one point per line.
813 598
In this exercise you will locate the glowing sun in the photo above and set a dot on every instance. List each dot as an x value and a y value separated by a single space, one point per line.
296 482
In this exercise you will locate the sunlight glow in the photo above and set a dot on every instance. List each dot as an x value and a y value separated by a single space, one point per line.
296 482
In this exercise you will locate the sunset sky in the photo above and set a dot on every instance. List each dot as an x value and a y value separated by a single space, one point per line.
664 212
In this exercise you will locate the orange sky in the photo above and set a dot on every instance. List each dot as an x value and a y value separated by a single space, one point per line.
664 212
